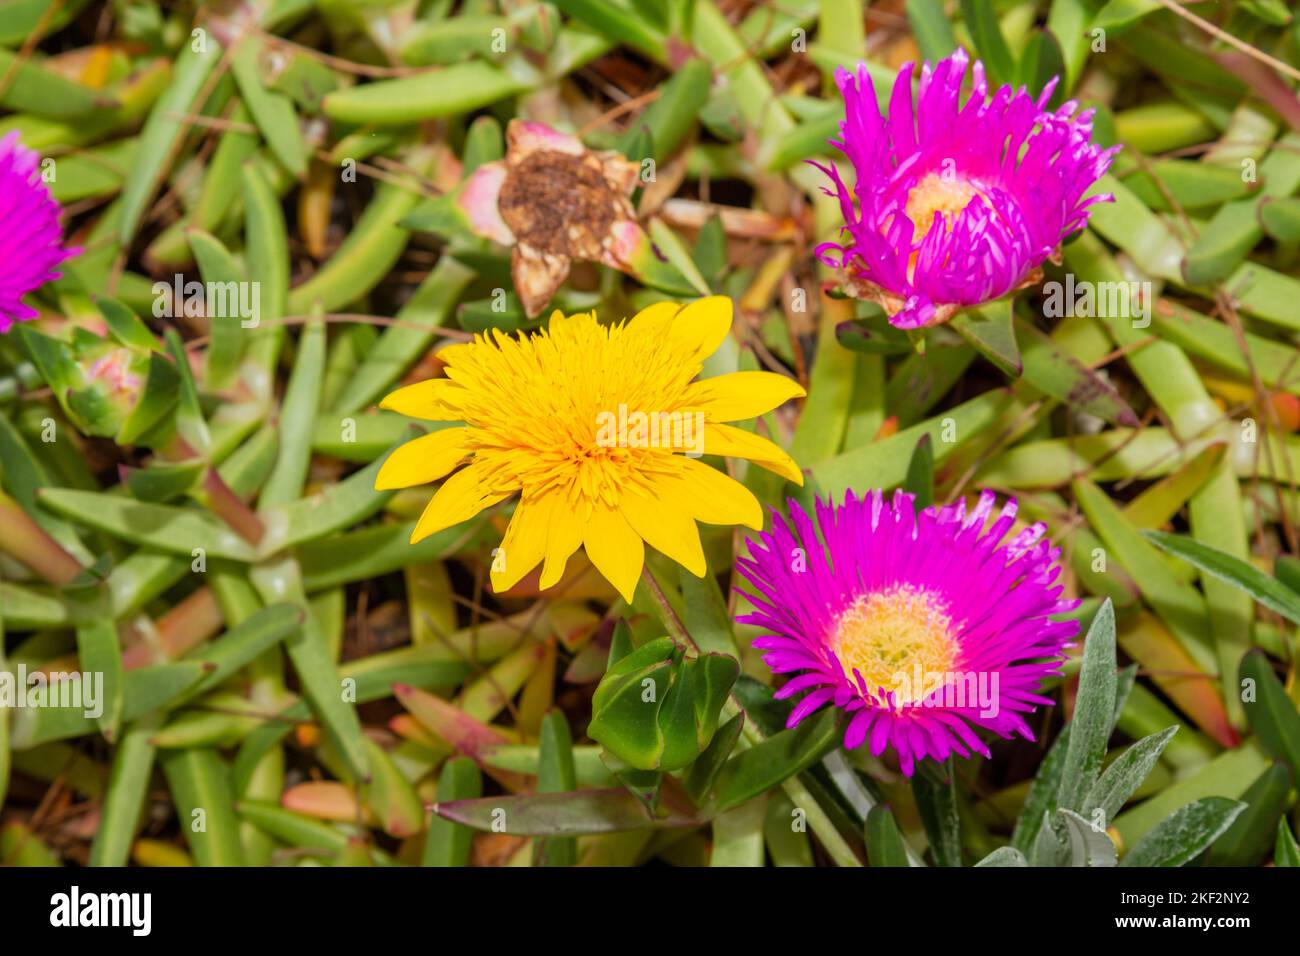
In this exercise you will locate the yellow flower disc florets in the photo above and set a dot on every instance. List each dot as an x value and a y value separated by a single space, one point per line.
898 640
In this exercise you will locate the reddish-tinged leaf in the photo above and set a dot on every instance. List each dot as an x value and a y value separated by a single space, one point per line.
326 800
465 734
1197 694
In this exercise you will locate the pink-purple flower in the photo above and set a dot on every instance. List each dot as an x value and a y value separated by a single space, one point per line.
955 203
923 626
31 241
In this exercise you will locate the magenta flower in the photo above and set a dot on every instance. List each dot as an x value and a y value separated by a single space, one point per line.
924 627
30 237
955 205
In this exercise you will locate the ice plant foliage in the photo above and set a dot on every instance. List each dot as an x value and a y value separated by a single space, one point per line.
30 237
955 204
538 418
923 626
553 201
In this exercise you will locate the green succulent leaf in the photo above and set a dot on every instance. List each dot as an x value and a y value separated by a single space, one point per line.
1094 709
1267 591
1271 712
1253 833
1090 846
1185 834
885 845
1119 781
1286 852
1004 856
776 759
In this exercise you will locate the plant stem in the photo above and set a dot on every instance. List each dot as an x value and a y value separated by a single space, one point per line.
676 629
831 840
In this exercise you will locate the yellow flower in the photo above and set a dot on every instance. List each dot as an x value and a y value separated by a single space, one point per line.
599 430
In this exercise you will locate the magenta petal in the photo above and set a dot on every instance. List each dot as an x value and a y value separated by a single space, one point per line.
30 237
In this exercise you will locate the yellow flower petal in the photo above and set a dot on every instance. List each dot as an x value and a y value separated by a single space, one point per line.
741 395
562 539
700 327
434 400
654 319
665 526
737 443
614 548
562 332
460 498
714 497
423 459
525 542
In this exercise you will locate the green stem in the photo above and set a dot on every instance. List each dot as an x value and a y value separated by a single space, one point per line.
831 839
667 614
219 496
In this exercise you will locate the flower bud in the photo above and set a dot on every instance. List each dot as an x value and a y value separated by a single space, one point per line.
657 709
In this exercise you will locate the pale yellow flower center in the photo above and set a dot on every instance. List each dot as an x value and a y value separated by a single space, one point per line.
892 636
948 195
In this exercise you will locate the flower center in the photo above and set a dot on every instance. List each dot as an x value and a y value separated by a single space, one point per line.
896 639
941 194
581 405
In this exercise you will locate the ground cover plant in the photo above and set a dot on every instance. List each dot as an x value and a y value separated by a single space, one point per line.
624 432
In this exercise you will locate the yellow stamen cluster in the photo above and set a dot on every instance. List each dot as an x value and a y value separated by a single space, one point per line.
537 404
890 635
947 195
